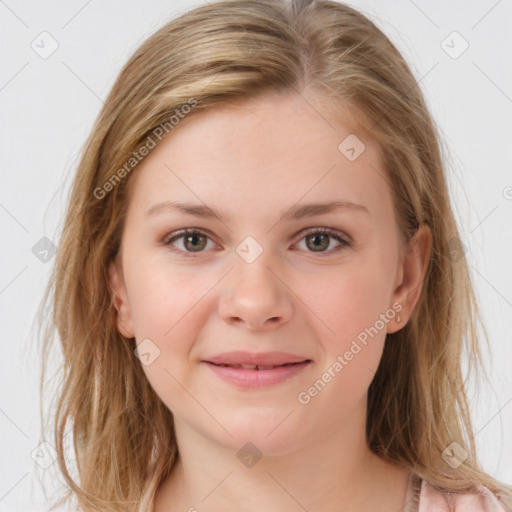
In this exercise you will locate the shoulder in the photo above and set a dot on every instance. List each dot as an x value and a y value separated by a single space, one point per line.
435 500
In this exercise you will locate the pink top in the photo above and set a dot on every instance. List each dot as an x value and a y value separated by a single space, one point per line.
422 497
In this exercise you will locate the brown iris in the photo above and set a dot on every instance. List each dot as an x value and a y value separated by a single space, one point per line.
196 242
322 237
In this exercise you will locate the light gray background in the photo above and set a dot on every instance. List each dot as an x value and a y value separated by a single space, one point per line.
48 107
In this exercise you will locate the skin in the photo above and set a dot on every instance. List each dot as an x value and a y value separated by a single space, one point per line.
251 161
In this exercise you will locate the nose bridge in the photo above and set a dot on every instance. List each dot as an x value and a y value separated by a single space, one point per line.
253 293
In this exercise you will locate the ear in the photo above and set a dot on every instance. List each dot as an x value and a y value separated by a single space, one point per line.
411 273
120 296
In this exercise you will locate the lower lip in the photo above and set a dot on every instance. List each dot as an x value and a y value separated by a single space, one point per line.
247 378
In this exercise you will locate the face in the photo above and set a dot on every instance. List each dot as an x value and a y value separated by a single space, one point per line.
267 275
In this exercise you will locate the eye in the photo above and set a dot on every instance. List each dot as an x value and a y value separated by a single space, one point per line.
318 239
193 241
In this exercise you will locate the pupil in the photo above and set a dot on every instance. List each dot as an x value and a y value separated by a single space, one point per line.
323 238
193 240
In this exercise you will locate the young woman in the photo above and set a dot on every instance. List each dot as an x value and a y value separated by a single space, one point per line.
256 289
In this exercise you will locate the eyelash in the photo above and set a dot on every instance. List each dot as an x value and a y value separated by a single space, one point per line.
169 239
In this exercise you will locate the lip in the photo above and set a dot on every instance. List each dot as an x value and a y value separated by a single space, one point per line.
253 378
261 358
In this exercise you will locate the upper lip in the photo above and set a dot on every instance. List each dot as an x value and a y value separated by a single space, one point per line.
259 358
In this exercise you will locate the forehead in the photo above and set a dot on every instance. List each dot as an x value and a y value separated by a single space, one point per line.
273 150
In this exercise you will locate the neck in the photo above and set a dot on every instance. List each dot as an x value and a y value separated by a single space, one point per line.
336 471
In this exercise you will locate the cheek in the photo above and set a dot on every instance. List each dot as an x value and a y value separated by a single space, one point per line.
348 301
352 335
162 298
167 309
171 304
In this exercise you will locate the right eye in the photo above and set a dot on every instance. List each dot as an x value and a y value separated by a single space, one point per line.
193 241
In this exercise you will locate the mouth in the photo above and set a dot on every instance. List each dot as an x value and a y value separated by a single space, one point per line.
257 376
259 367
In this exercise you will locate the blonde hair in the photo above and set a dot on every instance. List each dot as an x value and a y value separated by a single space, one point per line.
228 51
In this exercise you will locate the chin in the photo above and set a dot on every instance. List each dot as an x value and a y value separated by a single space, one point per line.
268 435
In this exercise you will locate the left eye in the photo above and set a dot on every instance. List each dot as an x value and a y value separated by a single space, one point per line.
195 241
319 238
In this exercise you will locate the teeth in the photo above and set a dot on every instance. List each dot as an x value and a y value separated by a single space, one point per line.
251 366
255 367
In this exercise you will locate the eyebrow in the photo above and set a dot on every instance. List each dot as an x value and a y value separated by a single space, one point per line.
295 212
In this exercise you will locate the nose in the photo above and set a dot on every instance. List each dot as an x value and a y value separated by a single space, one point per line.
255 295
